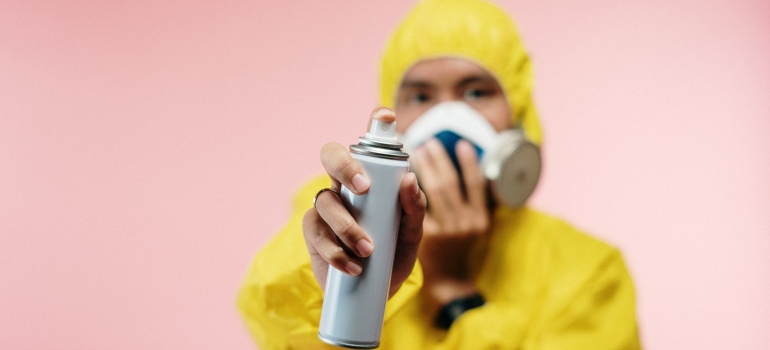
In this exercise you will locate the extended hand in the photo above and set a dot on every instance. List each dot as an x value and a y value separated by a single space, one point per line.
329 223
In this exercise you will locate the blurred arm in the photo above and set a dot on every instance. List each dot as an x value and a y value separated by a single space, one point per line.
598 315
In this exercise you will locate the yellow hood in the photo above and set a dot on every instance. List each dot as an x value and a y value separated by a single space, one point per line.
471 29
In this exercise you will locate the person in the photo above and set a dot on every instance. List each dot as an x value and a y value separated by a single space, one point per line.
521 278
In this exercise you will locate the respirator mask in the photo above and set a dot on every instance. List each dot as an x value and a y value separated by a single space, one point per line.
508 160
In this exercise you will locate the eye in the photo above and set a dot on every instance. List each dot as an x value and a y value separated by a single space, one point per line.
419 98
475 94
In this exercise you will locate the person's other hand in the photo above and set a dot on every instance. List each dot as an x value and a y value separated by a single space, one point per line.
332 235
454 220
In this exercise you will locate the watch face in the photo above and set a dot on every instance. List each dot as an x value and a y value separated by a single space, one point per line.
519 175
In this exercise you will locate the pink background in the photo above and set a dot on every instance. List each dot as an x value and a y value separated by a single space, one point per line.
149 148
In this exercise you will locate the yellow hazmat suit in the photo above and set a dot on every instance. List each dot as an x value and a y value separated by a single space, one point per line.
546 285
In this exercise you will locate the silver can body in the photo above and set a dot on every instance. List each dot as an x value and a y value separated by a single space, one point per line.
354 306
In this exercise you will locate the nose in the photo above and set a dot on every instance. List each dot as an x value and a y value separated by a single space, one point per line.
448 96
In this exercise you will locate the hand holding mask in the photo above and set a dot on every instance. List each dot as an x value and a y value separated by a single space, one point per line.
508 160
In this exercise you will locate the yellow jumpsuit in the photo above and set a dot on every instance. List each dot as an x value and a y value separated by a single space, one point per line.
546 285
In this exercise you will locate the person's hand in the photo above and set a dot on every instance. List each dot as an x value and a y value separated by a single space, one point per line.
454 220
332 235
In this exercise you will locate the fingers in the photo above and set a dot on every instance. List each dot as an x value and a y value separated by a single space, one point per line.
384 114
338 219
324 249
329 228
340 165
450 212
439 180
413 204
475 182
342 168
330 223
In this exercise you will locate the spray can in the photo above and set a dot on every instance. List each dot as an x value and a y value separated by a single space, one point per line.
354 306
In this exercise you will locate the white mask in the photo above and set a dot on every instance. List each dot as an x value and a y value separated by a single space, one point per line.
510 162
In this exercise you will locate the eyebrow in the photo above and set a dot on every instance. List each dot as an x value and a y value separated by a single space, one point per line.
416 84
419 83
476 79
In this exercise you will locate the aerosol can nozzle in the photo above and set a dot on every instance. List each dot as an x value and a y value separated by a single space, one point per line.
382 131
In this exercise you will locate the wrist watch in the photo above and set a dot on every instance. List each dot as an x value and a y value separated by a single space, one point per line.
451 311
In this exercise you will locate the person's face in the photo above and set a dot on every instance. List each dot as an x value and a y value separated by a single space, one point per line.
438 80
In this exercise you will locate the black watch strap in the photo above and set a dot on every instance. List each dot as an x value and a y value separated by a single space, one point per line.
451 311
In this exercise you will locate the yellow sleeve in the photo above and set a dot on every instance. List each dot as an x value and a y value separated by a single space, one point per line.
599 315
280 299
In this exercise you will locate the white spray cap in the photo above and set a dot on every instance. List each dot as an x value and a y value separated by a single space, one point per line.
381 140
382 131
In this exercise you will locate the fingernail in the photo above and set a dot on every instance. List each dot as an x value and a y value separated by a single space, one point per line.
464 147
415 185
416 153
360 183
385 115
353 269
364 248
422 152
434 145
